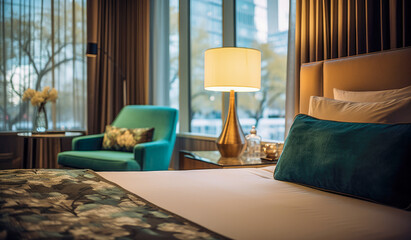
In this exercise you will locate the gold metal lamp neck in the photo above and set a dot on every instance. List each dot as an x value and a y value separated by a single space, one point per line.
231 141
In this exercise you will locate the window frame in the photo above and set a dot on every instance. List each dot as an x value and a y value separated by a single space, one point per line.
229 40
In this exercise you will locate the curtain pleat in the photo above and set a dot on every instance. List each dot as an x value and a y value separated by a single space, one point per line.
122 36
297 62
327 29
319 29
407 23
351 29
312 27
342 28
384 26
360 27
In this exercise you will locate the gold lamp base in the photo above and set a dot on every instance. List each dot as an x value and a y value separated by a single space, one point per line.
231 141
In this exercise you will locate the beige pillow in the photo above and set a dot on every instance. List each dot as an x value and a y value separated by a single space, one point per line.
372 96
394 111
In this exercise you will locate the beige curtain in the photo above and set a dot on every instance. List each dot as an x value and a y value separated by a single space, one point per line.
122 31
326 29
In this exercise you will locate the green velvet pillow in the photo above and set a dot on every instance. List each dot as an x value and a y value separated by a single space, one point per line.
367 160
124 139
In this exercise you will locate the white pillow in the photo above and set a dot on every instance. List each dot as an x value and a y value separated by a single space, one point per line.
394 111
372 96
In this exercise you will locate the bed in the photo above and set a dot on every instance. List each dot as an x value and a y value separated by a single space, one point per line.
249 204
213 204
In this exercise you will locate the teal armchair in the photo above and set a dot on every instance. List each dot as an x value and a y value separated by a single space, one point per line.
88 153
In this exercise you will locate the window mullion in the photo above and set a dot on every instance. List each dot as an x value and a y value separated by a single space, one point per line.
159 52
184 66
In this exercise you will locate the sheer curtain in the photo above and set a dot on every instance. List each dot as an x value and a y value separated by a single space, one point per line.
43 44
327 29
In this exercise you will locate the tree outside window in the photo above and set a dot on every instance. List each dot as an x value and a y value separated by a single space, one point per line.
42 44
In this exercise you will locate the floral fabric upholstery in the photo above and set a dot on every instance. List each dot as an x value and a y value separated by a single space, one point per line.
124 139
80 204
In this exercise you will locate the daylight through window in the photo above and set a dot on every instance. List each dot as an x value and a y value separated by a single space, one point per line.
43 44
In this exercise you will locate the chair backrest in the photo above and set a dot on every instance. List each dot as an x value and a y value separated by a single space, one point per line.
162 119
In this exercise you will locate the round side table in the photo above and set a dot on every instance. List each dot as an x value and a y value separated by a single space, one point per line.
40 149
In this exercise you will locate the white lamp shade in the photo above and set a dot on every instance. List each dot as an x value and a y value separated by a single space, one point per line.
231 68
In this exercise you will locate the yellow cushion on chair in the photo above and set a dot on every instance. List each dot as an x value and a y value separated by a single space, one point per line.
124 139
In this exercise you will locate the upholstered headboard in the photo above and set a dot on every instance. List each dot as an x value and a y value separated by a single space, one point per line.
368 72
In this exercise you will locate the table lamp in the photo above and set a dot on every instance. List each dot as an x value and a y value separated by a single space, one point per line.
232 69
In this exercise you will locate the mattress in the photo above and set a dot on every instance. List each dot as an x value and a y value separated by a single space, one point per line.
248 203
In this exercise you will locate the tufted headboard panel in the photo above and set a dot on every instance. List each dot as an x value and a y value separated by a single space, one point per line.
368 72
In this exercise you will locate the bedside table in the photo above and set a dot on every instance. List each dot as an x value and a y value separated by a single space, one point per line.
190 160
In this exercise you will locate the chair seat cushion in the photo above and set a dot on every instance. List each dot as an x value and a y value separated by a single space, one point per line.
99 160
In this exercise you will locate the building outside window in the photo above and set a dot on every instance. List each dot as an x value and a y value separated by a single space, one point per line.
263 25
43 44
206 32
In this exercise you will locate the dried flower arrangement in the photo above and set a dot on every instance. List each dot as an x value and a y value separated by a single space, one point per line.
39 99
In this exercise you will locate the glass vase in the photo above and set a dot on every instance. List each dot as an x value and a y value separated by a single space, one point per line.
40 123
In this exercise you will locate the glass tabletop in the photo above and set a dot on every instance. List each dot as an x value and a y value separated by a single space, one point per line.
214 157
60 134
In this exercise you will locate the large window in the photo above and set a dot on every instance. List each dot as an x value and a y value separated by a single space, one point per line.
206 32
260 24
263 24
43 44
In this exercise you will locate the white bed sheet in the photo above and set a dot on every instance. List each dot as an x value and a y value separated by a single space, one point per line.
248 203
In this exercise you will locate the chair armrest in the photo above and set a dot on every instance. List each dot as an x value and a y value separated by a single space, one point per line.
152 155
88 143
